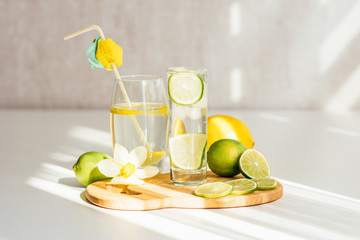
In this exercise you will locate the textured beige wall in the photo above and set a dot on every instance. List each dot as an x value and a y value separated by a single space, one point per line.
299 54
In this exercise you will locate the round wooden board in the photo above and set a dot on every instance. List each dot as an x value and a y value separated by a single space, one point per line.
158 192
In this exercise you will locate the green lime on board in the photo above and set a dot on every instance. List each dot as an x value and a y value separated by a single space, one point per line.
185 88
265 183
223 157
187 151
242 186
213 190
254 165
86 169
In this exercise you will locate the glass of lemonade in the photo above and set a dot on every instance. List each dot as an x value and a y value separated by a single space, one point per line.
143 120
187 88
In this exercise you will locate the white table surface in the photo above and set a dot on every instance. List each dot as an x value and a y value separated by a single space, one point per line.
316 156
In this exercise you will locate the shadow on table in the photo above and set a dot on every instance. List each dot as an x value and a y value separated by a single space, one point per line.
70 181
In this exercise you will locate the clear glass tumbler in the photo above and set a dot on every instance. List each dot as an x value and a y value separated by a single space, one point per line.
139 116
187 89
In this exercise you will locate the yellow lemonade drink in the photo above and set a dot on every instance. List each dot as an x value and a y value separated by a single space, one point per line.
152 119
139 117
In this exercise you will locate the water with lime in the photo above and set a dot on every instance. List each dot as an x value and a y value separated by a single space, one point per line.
187 88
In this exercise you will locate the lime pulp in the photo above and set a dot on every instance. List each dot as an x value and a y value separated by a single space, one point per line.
187 151
254 165
185 88
242 186
213 190
265 183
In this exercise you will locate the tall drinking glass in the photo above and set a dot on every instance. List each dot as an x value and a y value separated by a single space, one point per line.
144 120
187 88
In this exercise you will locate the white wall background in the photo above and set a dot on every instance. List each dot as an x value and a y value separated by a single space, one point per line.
268 54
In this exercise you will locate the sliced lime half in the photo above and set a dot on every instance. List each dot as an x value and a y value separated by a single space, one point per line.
185 88
254 165
242 186
265 183
213 190
187 151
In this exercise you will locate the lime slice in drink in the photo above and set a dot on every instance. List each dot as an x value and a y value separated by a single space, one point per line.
185 88
242 186
265 183
213 190
154 158
253 164
187 151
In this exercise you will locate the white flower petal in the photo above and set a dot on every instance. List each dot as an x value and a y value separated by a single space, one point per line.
121 154
147 172
138 156
109 168
132 180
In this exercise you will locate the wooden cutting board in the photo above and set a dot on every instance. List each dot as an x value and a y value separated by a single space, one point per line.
158 192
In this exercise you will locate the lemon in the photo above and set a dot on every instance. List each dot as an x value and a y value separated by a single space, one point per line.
221 127
265 183
187 151
179 127
154 158
86 169
254 165
213 190
185 88
223 157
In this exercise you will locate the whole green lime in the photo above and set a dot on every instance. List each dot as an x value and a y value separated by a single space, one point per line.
86 169
223 157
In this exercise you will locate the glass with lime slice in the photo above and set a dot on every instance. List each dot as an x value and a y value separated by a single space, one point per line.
187 89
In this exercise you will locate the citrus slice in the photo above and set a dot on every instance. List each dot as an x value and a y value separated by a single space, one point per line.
154 158
185 88
242 186
265 183
253 164
187 151
213 190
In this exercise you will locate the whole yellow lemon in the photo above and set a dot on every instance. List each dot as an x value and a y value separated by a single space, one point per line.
227 127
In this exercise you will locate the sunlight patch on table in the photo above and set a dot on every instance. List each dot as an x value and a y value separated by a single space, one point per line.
62 157
274 117
91 135
235 226
318 195
48 177
343 131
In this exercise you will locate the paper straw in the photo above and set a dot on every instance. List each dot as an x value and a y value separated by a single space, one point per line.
118 79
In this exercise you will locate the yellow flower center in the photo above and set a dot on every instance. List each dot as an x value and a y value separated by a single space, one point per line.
127 170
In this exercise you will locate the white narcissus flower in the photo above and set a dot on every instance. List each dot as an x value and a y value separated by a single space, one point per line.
124 169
